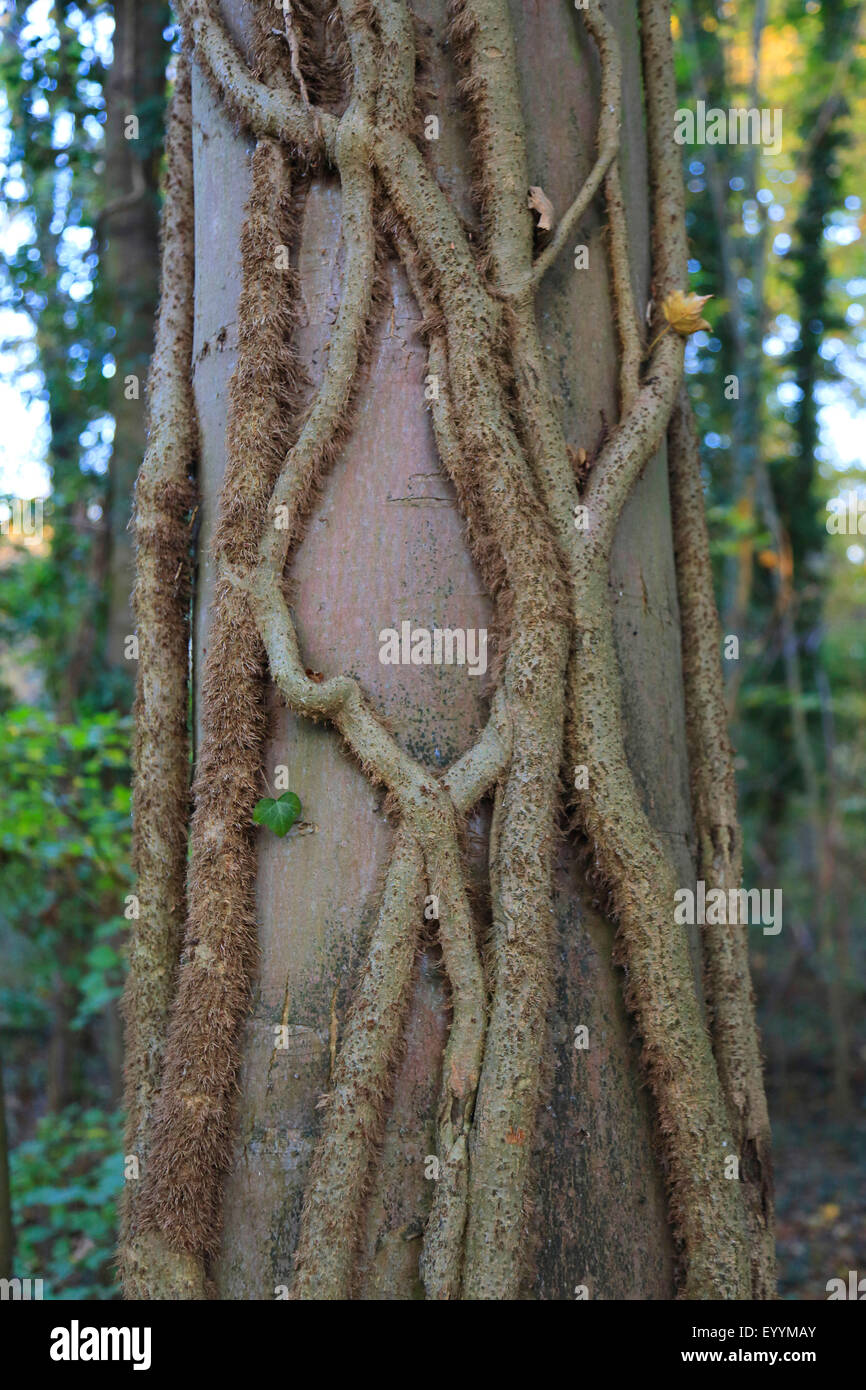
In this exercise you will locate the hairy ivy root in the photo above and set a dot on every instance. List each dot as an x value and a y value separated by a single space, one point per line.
163 508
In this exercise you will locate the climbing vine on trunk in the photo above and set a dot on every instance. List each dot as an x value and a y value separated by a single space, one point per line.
344 97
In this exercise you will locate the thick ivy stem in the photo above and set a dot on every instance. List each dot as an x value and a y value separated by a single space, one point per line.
163 509
627 319
328 1244
730 1001
609 122
669 242
275 113
692 1126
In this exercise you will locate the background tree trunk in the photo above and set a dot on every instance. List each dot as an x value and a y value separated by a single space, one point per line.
385 543
130 259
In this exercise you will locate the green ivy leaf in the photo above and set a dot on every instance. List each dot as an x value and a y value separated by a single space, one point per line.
279 815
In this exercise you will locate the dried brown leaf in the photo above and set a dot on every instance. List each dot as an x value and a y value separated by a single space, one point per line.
540 203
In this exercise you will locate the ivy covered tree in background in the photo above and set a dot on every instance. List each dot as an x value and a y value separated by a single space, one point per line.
776 239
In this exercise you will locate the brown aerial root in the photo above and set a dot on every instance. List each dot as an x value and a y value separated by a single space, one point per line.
164 501
730 1001
191 1127
559 687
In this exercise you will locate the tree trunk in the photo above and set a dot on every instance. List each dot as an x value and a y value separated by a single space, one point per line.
130 266
563 1193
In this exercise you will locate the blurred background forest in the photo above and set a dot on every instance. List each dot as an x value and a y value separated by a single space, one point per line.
777 239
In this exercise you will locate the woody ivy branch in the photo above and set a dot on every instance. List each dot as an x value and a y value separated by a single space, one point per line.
558 702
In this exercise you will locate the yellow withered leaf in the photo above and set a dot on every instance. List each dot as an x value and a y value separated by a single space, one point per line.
683 312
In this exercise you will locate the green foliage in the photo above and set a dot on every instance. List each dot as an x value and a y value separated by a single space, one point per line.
53 79
64 856
64 851
65 1184
278 815
776 238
